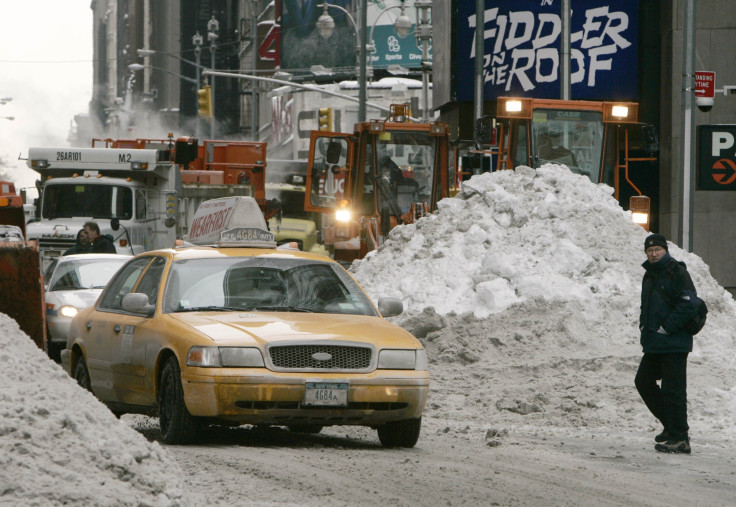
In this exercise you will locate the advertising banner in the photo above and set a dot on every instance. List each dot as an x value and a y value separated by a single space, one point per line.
716 157
301 44
522 41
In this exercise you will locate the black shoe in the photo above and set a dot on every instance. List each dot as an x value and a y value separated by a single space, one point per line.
662 437
674 446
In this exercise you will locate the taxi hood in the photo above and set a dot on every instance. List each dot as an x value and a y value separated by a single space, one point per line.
261 328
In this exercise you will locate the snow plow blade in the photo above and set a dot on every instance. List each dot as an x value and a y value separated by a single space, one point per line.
21 285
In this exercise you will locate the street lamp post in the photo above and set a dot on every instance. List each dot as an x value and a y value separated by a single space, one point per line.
213 27
424 35
325 26
197 40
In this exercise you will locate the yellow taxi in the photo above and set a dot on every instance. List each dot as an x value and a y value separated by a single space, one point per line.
233 330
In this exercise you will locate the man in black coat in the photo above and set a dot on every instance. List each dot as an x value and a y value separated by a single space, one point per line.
98 243
667 303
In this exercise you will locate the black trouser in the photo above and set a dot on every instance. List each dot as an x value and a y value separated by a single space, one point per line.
667 403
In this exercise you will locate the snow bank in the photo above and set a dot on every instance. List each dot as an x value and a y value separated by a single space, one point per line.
60 446
525 289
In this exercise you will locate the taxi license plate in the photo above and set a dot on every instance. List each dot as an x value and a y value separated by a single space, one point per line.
322 394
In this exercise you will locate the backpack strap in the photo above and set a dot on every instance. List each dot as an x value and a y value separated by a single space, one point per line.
662 293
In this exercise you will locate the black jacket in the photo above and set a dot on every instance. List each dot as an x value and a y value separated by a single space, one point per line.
103 244
673 278
77 249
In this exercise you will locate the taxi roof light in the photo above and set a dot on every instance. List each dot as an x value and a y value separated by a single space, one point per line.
230 222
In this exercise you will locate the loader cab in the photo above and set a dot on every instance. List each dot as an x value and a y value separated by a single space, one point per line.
386 173
603 141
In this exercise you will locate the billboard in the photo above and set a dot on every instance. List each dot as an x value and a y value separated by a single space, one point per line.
302 46
522 49
716 157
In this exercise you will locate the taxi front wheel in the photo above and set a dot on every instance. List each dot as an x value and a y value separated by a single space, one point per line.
177 425
81 374
400 433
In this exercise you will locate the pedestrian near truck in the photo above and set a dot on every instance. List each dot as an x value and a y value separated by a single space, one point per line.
98 243
667 303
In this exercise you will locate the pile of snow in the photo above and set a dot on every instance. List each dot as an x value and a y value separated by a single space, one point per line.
60 446
525 289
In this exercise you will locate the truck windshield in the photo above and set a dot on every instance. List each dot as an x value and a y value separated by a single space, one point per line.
404 172
568 137
87 200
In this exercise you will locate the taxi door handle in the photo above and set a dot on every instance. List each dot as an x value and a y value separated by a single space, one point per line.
116 328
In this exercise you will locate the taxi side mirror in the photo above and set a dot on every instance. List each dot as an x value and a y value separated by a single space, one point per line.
390 307
137 302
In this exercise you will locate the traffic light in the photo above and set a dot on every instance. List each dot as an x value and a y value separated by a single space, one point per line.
325 118
204 96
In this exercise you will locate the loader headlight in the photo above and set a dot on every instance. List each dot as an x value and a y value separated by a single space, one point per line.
343 213
513 106
68 311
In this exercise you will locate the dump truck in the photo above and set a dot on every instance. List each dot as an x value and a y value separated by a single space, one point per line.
20 269
386 172
143 192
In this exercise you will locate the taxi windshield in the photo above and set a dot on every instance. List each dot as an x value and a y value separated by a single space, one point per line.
263 284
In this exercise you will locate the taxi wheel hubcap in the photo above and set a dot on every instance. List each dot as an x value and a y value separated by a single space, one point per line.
177 425
81 375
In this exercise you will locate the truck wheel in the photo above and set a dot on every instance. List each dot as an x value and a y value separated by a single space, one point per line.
177 425
81 374
305 428
400 433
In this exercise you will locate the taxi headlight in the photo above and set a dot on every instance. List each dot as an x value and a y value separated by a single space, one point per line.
68 311
391 359
228 357
204 356
241 357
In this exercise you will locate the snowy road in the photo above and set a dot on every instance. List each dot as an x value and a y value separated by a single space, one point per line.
249 466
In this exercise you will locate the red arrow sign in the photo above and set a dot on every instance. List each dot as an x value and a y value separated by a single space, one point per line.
705 83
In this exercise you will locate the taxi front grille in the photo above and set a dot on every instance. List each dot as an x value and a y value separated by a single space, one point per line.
320 357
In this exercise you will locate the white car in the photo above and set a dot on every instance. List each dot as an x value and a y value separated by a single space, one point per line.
74 282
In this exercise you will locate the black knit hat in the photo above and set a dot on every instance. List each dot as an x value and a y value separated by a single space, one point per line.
655 240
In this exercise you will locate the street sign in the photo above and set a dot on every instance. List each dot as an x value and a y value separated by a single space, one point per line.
705 84
716 157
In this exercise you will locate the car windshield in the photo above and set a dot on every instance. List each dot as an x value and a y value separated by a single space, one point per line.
85 273
263 284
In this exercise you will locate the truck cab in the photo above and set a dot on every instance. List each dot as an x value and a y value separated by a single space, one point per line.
88 184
